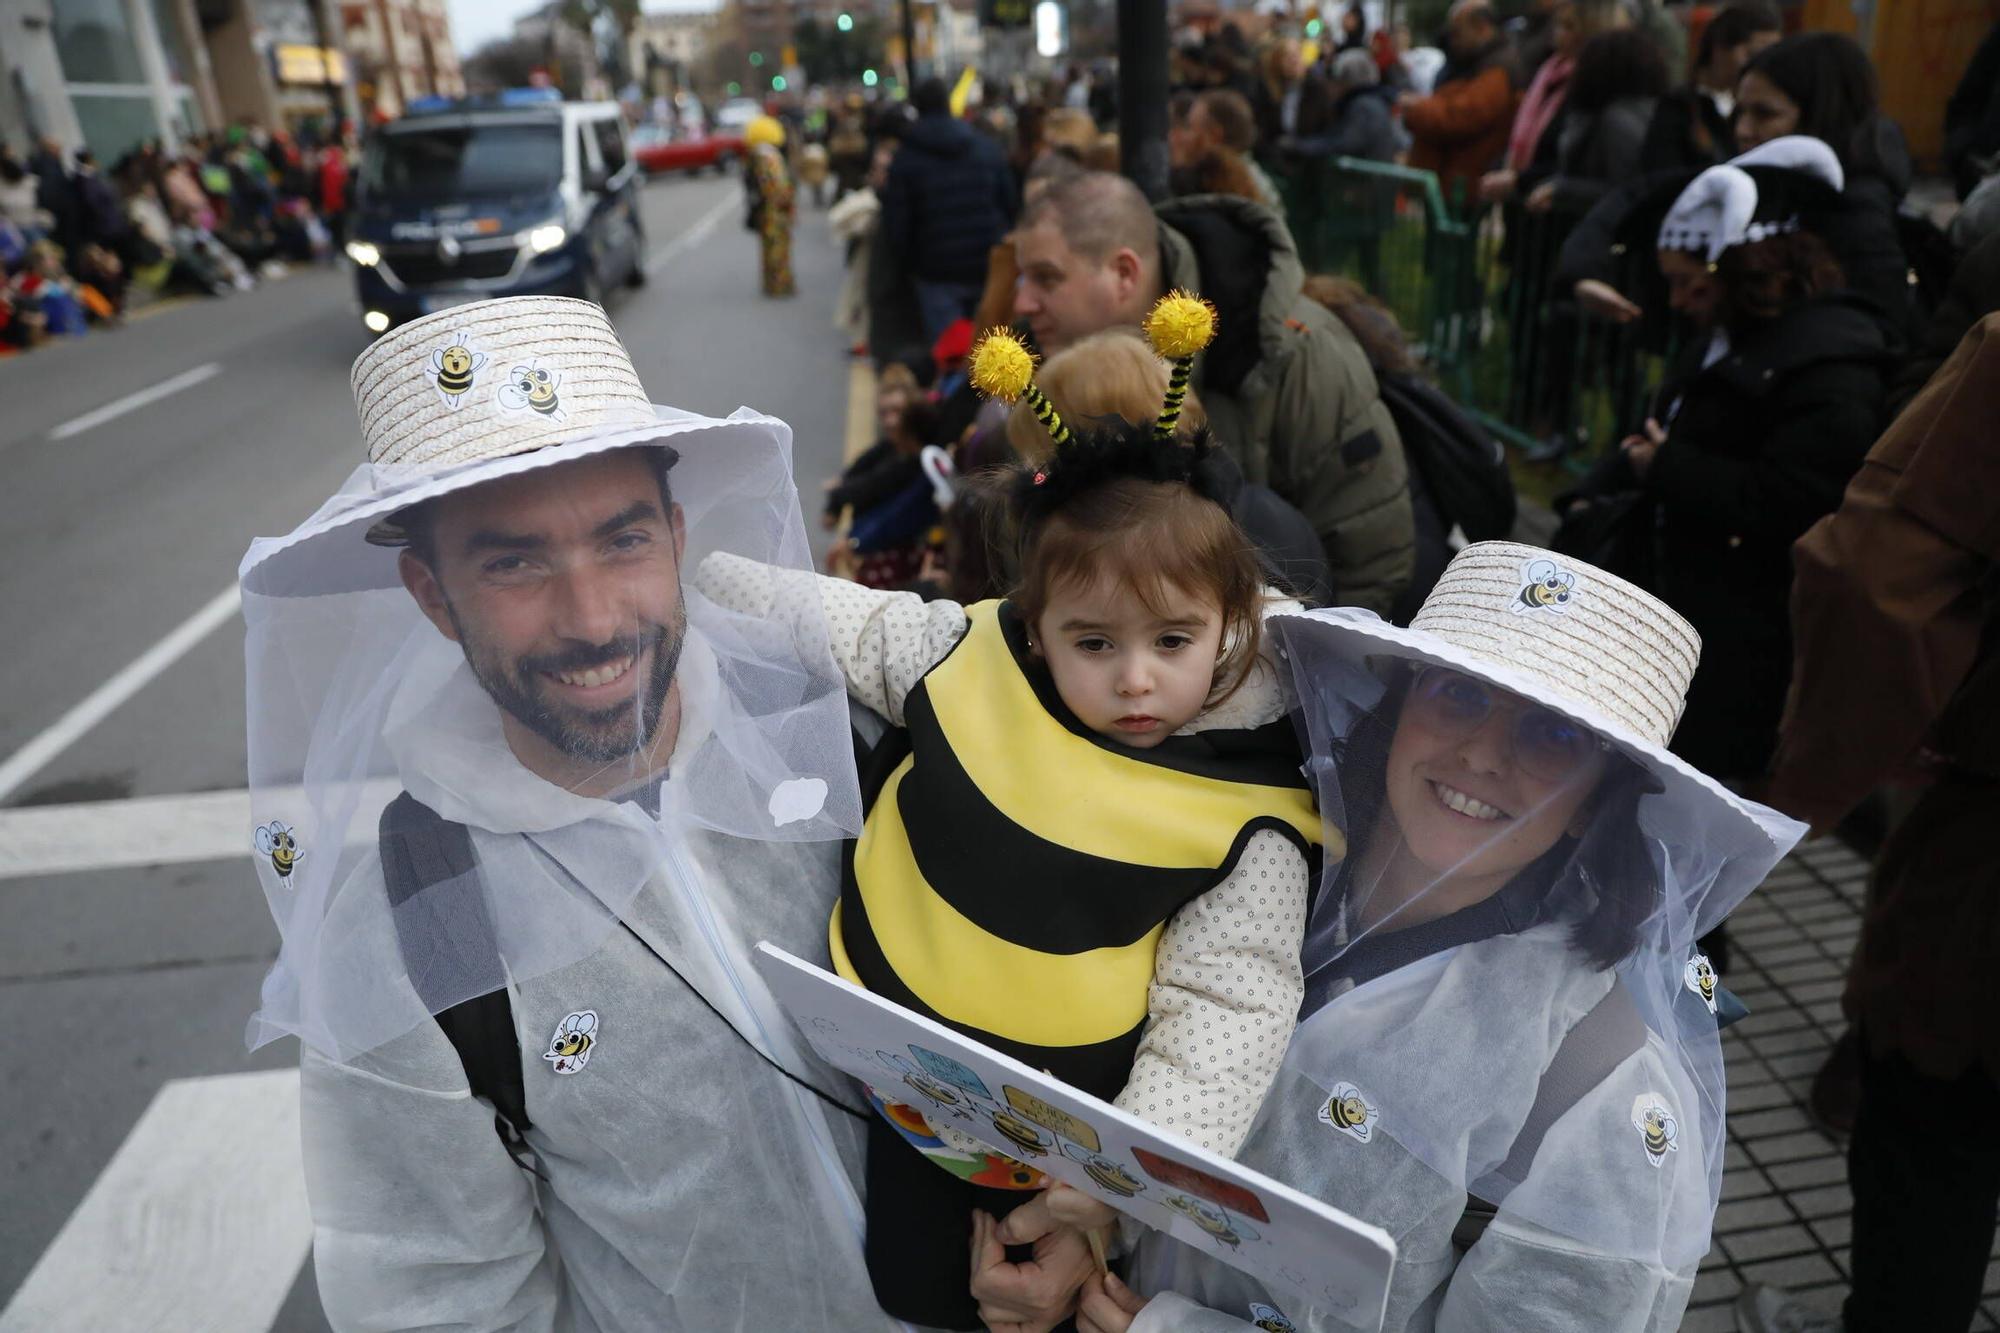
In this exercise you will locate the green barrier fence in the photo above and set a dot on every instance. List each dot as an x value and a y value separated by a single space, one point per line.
1472 288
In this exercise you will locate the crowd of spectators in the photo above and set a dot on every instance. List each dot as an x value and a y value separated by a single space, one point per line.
79 242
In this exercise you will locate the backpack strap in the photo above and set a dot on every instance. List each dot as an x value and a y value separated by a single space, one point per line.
444 931
1600 1041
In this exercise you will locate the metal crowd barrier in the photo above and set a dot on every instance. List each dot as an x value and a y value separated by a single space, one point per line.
1472 287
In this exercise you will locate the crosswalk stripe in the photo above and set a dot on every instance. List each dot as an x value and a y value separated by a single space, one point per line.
151 830
200 1220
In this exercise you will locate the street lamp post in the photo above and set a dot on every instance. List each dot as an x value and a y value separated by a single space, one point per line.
1142 94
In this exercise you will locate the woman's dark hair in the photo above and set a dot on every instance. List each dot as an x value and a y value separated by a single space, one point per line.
1605 880
1371 322
1760 280
1736 24
1832 83
1625 62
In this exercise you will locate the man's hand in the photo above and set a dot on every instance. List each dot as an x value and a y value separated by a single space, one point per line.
1032 1297
1542 198
1497 185
1606 302
1107 1306
1640 449
1072 1207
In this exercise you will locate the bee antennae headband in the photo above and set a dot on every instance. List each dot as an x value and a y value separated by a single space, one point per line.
1180 325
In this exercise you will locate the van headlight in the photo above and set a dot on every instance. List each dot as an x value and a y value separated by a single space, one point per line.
364 254
548 237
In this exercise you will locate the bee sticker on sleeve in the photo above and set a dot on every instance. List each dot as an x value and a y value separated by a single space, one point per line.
277 841
570 1049
533 388
1658 1129
1545 586
1700 978
1350 1113
1270 1319
454 368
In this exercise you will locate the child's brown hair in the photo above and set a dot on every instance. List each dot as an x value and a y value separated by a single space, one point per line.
1156 537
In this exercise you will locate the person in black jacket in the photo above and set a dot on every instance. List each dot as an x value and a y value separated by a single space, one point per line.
948 200
1753 444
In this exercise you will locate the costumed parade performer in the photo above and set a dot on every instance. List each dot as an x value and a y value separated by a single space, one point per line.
1507 1056
526 801
1090 844
773 202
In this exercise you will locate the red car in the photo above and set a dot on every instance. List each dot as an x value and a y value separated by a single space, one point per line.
658 149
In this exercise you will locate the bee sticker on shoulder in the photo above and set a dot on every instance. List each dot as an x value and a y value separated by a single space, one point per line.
1699 976
532 387
1658 1129
1545 586
1349 1112
454 368
574 1043
277 841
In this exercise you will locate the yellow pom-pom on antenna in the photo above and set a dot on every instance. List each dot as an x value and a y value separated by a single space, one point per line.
1180 325
1001 367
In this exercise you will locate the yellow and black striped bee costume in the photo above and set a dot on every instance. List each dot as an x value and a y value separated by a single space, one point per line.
1017 870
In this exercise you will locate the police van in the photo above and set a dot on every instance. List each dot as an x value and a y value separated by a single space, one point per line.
518 194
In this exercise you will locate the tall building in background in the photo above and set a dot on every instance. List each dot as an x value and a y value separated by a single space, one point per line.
111 74
402 50
667 48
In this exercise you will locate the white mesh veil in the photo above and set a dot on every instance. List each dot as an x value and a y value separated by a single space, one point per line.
1503 1004
569 653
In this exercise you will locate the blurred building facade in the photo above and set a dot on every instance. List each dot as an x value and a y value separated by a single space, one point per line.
401 50
668 47
112 74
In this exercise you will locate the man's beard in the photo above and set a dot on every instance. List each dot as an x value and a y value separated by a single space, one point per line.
600 736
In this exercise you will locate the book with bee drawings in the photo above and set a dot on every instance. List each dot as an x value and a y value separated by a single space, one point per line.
1307 1253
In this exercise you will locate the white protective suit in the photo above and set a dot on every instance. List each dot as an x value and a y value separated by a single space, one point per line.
673 1161
1484 1048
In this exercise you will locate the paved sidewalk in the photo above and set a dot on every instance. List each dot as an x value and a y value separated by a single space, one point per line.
1785 1202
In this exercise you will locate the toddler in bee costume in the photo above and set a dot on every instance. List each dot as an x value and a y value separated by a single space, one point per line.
1090 843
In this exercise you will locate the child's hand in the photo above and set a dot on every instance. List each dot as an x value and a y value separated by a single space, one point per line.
1072 1207
1107 1305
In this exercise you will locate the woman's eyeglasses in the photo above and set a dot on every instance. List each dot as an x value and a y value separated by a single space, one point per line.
1546 744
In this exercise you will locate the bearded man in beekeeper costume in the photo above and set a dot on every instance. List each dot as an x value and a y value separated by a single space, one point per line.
524 802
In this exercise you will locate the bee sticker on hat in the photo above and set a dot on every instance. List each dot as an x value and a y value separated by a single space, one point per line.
1350 1113
576 1038
1658 1129
454 369
277 841
1700 978
1545 586
1270 1319
532 387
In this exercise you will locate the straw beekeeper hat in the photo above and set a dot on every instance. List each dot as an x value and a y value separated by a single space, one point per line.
1581 642
472 394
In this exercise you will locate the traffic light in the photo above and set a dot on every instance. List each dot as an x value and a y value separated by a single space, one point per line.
868 78
777 83
845 23
756 60
1314 27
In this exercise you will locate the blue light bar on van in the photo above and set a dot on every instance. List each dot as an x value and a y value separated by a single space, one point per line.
530 96
418 106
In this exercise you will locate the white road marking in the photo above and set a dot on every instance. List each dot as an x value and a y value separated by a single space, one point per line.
131 402
72 726
157 830
696 234
199 1221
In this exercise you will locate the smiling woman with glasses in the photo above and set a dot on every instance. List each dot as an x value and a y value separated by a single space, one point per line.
1507 1055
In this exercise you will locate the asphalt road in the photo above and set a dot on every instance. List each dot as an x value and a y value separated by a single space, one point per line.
115 980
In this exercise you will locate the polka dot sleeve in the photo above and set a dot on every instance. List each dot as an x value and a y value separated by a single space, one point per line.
883 642
1225 996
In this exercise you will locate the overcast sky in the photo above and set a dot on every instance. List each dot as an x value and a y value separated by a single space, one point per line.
476 22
